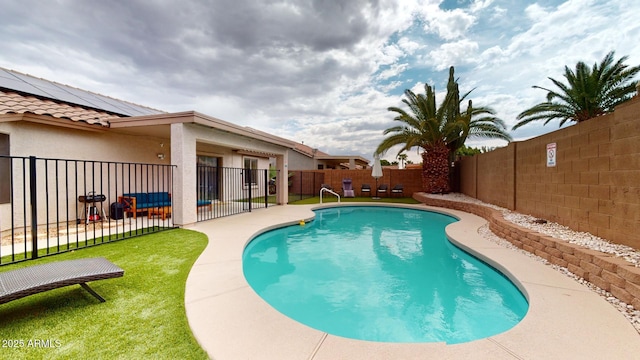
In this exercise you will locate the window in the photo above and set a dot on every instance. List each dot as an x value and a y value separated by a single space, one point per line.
5 170
250 171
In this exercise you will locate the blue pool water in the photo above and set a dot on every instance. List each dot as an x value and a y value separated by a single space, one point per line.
381 274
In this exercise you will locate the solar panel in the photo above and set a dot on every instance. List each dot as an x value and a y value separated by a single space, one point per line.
12 80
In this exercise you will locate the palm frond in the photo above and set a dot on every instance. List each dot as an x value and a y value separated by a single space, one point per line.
587 92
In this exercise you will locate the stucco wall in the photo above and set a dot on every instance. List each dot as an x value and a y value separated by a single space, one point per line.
44 141
31 139
594 187
298 161
47 141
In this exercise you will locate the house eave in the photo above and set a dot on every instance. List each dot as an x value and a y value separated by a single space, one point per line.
193 117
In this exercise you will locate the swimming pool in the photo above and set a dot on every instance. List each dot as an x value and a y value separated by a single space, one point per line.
381 274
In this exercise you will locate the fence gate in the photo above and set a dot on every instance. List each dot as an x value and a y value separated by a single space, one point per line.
49 206
224 191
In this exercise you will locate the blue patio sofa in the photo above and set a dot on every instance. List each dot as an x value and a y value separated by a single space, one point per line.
136 202
140 202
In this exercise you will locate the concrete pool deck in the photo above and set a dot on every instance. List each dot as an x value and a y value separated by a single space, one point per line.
565 320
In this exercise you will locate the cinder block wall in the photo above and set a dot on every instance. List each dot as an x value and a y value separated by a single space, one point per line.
594 187
468 178
497 167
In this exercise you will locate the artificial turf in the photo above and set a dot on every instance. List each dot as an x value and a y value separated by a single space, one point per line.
143 318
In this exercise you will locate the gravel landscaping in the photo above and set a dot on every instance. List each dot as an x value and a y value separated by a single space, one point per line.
560 232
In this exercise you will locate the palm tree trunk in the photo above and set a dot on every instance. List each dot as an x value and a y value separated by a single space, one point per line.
435 169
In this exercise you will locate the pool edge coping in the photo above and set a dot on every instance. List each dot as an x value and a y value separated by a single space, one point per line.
516 342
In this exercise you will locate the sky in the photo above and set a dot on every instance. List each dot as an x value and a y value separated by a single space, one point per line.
321 72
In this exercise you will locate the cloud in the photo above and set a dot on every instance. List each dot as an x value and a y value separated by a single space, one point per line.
456 53
312 70
479 5
409 46
393 71
447 24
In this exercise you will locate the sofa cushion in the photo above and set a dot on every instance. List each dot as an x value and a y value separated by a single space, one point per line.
141 198
152 204
158 197
149 200
204 202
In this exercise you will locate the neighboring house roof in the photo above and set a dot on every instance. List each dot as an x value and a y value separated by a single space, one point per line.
342 161
308 151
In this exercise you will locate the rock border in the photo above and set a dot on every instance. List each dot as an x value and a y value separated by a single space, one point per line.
609 275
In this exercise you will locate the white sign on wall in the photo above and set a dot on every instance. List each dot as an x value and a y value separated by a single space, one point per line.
551 155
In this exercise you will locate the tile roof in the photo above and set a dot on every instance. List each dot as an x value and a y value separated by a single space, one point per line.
310 152
15 103
11 80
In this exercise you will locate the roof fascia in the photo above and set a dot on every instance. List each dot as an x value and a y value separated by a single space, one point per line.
241 130
193 117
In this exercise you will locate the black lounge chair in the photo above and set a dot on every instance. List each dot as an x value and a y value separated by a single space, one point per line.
326 186
365 189
382 189
16 284
397 189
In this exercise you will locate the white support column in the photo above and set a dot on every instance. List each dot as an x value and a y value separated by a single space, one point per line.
352 164
282 185
183 154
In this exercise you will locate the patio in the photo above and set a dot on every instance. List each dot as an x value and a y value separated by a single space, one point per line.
230 321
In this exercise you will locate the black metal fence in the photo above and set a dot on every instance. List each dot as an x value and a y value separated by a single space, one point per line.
226 191
304 184
49 206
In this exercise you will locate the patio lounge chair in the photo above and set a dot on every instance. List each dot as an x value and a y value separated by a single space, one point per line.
326 186
382 189
397 189
365 189
347 188
16 284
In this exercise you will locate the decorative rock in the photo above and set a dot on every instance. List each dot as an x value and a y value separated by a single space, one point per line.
561 232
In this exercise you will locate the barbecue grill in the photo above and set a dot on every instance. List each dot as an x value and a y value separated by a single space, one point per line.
91 212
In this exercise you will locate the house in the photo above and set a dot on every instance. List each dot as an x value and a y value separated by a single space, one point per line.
44 119
304 157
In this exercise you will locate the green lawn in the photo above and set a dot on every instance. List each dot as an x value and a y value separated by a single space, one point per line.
143 317
333 199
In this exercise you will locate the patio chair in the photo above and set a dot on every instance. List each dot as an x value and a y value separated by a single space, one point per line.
16 284
382 189
347 188
365 189
398 189
326 186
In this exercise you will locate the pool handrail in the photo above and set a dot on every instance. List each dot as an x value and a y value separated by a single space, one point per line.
329 190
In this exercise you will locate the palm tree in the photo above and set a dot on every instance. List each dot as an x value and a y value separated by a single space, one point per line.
439 131
589 92
403 158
